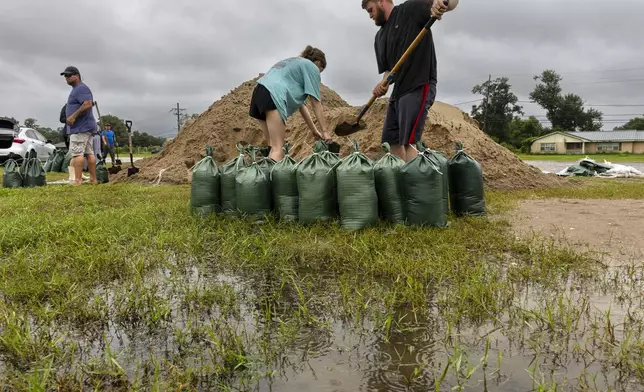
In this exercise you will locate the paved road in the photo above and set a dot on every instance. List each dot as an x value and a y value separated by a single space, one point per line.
555 167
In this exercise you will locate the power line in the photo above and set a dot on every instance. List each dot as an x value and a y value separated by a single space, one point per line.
177 111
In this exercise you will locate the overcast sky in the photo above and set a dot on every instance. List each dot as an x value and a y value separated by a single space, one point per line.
142 57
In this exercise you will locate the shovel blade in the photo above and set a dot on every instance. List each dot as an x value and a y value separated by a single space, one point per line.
132 171
347 128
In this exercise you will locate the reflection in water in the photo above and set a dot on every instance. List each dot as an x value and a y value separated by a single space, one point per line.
269 332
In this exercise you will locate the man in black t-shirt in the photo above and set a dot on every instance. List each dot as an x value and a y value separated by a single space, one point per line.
415 82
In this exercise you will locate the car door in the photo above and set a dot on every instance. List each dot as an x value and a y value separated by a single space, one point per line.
36 144
47 148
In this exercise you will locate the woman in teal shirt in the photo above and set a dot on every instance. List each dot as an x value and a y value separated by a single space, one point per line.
283 90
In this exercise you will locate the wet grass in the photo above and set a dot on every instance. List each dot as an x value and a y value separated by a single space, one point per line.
167 301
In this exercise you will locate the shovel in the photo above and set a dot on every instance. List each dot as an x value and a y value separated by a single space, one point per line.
349 128
130 170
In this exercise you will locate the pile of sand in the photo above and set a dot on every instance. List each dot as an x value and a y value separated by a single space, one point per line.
227 123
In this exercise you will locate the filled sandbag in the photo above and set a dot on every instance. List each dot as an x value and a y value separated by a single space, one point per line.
422 186
67 161
12 177
34 174
388 189
466 185
57 163
253 190
228 174
102 174
356 185
205 192
267 164
50 162
444 167
284 187
316 187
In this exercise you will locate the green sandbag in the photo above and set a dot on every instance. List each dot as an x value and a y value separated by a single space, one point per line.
34 174
253 190
444 168
64 168
422 185
267 164
50 162
57 164
12 177
316 188
228 174
284 185
389 191
356 185
102 175
466 185
205 196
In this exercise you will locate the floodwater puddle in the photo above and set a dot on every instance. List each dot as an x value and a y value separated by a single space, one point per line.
280 331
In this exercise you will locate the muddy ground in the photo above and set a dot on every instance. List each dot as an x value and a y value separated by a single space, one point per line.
612 228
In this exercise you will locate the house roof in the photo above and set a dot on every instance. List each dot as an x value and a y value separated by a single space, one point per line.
611 136
603 136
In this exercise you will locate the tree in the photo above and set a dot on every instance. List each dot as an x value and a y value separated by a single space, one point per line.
139 139
564 111
522 132
636 124
31 123
497 109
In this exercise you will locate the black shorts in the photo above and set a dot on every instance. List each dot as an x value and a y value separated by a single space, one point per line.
406 116
261 102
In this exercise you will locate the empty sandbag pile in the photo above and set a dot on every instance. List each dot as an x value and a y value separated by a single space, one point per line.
355 190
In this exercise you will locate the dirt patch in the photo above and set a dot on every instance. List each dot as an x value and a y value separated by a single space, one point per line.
612 227
227 123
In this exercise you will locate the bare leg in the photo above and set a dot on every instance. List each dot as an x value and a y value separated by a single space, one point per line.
410 153
77 163
276 129
262 124
399 151
91 167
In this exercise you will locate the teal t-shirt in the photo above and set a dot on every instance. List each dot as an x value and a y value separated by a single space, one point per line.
290 81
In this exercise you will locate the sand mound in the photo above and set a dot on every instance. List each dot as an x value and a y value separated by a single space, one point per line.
227 123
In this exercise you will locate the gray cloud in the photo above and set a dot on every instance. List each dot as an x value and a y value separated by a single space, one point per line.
140 58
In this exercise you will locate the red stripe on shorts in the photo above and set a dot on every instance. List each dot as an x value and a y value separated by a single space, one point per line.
420 113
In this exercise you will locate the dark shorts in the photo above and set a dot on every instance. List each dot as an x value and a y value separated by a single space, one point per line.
406 116
261 102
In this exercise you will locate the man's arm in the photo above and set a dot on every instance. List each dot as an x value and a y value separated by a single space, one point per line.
84 108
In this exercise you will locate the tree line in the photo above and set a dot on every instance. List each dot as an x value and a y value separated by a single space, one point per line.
139 139
499 113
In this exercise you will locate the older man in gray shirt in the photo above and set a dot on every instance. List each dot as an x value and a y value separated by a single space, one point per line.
82 125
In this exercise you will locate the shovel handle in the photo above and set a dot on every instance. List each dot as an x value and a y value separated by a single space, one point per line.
128 124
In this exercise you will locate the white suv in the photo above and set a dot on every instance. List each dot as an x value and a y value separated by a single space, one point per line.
19 143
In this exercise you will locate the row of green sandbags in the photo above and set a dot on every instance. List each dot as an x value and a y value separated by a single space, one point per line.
30 174
33 174
323 186
58 162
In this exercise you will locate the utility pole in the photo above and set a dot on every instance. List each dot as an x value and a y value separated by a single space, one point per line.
487 102
177 111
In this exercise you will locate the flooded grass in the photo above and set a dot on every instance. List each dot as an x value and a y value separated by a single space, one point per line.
119 288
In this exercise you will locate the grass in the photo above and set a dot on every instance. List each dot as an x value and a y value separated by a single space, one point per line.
168 301
613 158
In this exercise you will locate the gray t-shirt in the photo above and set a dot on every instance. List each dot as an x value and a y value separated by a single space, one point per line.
85 122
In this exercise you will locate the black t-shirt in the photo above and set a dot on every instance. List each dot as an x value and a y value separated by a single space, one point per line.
393 39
